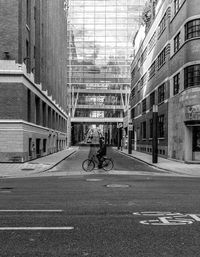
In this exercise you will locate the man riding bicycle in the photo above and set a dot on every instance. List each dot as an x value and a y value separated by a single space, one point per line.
101 152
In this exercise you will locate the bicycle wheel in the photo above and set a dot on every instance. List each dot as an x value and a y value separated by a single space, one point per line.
88 165
107 164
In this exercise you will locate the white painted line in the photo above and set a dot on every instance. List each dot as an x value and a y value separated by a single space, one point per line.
35 228
31 210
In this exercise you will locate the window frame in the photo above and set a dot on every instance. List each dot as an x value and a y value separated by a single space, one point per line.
161 93
162 24
176 84
152 99
192 30
190 79
152 70
144 105
161 126
162 58
177 42
176 6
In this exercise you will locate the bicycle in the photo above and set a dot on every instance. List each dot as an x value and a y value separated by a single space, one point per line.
89 164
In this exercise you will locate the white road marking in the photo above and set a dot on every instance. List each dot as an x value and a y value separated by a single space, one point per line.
31 210
35 228
168 218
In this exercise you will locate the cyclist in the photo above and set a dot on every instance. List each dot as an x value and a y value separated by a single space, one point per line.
101 152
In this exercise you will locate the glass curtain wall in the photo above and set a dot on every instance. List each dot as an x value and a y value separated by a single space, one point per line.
100 46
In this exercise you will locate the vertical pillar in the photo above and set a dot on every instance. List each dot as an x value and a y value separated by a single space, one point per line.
130 135
155 135
118 138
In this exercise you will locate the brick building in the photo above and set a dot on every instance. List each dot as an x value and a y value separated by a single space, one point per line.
166 72
33 118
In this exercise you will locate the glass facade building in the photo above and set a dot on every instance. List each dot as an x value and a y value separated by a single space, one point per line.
100 36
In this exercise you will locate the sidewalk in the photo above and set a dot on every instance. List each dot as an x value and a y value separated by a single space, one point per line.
35 166
166 164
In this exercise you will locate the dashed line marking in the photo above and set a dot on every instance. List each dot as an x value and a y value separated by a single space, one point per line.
31 210
36 228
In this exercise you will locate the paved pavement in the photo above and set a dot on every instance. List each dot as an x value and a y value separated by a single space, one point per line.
35 167
165 164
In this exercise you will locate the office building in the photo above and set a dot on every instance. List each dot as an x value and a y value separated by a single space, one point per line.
165 73
99 64
33 118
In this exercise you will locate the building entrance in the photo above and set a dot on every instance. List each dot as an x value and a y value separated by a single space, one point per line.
196 143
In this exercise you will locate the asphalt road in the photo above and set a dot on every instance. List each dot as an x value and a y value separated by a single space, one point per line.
100 215
121 162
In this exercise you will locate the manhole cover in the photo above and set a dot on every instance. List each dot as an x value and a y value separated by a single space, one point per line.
117 185
93 179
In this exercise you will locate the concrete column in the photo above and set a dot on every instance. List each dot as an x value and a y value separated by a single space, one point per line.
188 143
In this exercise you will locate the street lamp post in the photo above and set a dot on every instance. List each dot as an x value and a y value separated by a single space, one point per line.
155 135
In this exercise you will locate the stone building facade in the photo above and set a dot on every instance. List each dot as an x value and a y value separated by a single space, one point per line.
166 72
33 118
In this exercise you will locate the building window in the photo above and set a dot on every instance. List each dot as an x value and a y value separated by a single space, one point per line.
162 25
133 92
151 128
161 58
30 147
138 109
152 99
44 145
37 110
152 70
192 76
161 125
29 105
176 85
144 105
177 42
192 29
49 117
152 42
143 56
27 58
133 113
28 11
38 151
44 114
161 93
132 74
176 6
144 134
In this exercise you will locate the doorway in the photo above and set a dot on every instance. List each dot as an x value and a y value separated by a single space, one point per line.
196 143
37 147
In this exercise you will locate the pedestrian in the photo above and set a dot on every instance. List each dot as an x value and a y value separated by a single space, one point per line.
101 152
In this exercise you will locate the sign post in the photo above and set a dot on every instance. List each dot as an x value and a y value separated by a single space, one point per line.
155 136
